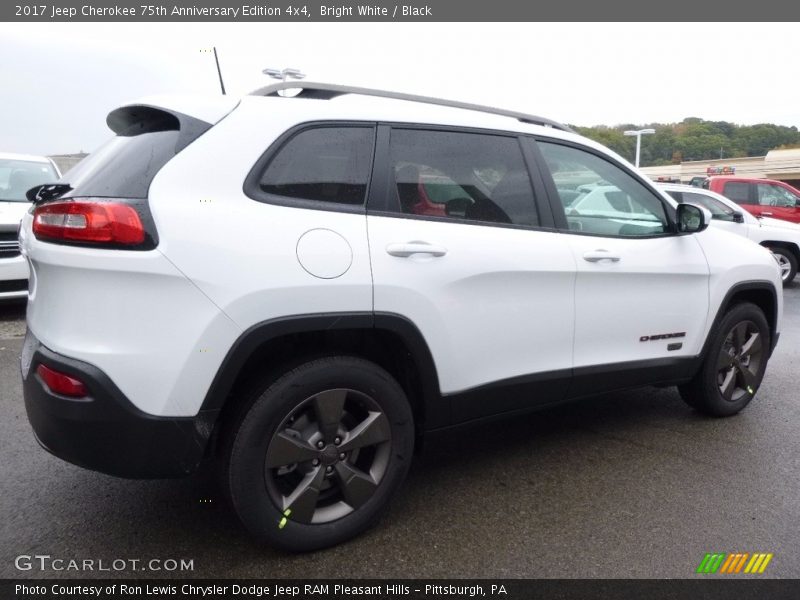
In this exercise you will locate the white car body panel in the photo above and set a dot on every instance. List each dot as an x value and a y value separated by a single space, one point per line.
658 286
132 314
243 253
497 305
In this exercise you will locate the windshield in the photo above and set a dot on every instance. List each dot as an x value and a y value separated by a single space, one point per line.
18 176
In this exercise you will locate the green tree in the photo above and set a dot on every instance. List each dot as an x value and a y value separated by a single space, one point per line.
694 139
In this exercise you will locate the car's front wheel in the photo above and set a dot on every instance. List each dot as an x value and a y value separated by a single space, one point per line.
734 364
318 455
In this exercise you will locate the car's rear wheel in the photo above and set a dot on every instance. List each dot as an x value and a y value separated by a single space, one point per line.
319 453
787 263
734 364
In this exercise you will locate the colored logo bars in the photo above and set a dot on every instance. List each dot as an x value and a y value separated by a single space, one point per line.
734 563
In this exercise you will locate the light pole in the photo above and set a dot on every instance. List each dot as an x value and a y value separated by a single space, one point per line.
639 133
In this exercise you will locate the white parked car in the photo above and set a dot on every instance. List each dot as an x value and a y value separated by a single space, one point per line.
268 282
18 174
781 237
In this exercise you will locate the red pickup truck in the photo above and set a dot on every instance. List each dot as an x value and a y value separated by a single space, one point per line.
759 197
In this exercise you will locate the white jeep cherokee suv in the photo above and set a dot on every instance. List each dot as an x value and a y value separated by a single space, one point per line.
298 288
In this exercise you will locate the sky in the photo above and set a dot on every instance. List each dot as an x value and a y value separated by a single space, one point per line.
58 81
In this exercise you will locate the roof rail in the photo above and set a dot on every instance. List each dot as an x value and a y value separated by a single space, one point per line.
326 91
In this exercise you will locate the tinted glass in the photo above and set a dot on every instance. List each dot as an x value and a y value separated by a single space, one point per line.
327 164
599 197
737 191
18 176
719 210
124 166
770 194
469 176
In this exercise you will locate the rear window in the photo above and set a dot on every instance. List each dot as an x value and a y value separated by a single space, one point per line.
125 166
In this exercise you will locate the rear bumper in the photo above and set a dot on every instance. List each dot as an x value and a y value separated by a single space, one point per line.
105 432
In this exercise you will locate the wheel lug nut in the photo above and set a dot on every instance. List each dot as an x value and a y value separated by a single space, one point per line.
315 462
338 440
342 456
320 444
329 469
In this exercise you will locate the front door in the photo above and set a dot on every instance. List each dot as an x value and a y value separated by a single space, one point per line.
641 295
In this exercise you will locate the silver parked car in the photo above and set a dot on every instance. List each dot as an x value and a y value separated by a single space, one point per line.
18 174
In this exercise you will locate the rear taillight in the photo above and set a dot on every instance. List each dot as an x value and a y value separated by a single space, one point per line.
61 383
93 222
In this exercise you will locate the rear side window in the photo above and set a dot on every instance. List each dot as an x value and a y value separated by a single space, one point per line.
737 191
324 164
124 167
466 176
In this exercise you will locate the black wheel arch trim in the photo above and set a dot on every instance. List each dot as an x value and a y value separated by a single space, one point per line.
746 286
437 408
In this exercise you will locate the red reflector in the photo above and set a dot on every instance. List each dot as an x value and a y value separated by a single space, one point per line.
100 222
61 383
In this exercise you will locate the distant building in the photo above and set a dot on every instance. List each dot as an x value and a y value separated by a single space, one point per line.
783 165
66 161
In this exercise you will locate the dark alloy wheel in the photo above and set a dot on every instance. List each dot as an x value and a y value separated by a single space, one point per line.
734 363
739 362
315 455
328 456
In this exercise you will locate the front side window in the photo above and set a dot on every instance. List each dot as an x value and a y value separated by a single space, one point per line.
737 191
324 164
599 197
770 194
467 176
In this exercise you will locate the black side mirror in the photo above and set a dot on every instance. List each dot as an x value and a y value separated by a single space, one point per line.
692 219
738 217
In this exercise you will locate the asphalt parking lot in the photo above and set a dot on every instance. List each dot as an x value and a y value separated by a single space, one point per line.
626 485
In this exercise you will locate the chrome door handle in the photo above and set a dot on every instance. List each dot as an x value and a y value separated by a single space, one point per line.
766 214
598 255
411 248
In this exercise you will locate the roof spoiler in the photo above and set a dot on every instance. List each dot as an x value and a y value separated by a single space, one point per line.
47 191
326 91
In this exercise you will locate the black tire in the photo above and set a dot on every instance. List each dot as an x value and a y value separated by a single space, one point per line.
734 364
787 262
333 491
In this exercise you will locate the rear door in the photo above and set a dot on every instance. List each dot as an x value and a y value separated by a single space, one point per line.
744 194
459 248
641 295
777 201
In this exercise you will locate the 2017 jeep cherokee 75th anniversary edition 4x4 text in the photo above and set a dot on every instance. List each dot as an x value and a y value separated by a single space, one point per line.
253 282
